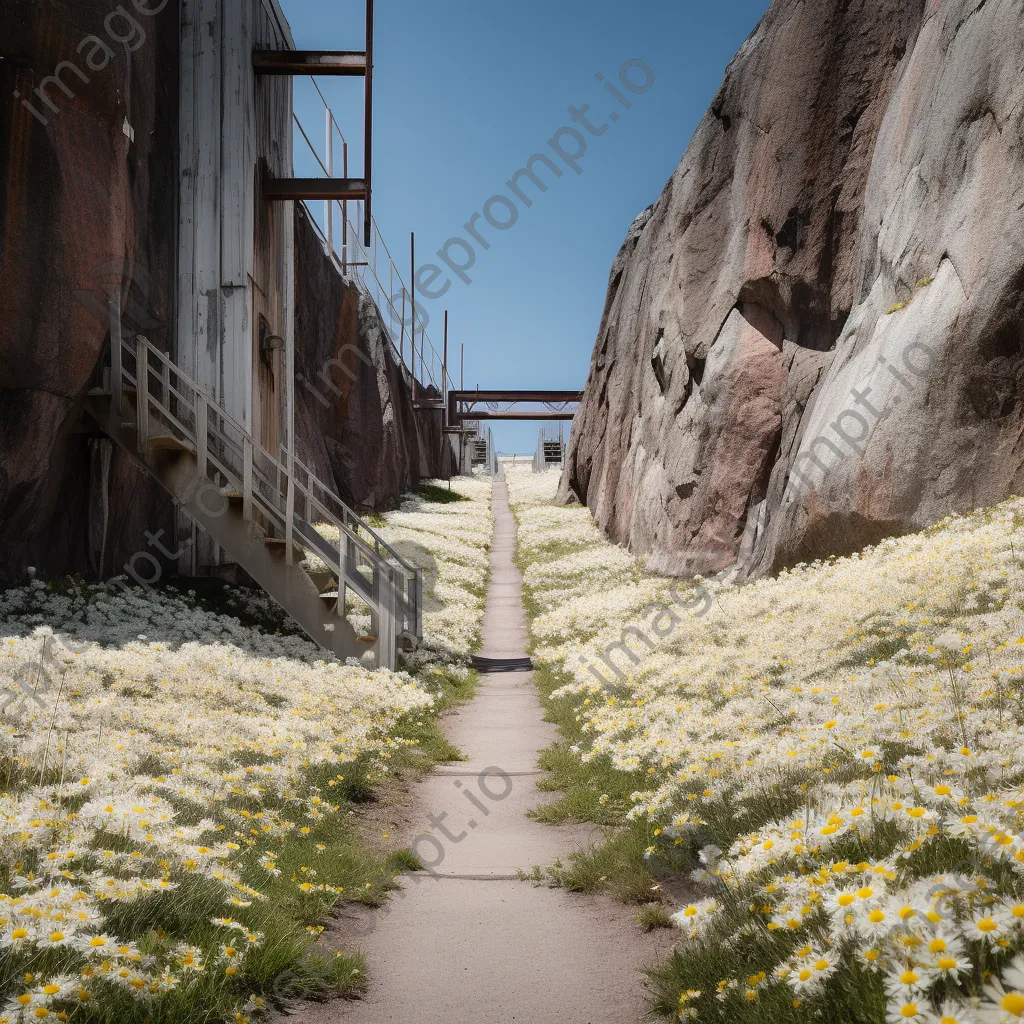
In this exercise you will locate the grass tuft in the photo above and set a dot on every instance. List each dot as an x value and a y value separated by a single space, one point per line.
654 916
439 495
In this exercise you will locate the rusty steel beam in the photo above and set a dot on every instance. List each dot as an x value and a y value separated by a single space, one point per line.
349 63
518 415
518 396
315 188
459 399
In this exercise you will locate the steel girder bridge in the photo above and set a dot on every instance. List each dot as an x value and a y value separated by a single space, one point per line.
477 406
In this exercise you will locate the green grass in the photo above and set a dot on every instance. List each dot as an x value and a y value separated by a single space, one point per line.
618 867
653 916
287 961
591 792
439 495
595 792
405 860
854 998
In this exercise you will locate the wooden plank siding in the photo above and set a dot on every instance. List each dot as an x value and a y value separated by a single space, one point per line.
235 249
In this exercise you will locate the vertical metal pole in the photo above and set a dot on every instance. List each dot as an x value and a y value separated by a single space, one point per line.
368 150
289 523
142 396
418 627
401 344
347 567
444 366
247 479
462 369
165 383
329 204
412 299
344 209
289 337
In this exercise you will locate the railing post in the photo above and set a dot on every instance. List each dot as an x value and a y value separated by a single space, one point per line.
344 544
116 355
418 604
165 381
412 299
247 478
401 344
387 619
344 209
142 395
202 433
289 521
329 204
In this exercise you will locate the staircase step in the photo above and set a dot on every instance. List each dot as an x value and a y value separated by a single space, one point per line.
101 393
169 443
297 584
276 545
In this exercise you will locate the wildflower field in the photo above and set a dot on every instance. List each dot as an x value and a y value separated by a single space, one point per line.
177 778
833 757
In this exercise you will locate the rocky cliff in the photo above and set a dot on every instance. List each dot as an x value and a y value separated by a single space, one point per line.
86 211
354 416
815 337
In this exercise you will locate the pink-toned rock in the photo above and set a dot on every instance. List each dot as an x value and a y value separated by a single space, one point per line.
752 400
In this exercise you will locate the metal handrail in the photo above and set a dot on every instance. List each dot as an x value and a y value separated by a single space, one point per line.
352 245
381 546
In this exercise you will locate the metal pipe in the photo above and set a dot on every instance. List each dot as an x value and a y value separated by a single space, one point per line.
444 365
368 151
344 209
329 203
412 299
401 343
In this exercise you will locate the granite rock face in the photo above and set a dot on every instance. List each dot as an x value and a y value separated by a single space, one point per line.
86 211
354 418
815 337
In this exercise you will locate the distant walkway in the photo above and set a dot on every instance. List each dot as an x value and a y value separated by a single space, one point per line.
475 945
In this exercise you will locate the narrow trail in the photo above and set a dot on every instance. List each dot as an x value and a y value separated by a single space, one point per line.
470 943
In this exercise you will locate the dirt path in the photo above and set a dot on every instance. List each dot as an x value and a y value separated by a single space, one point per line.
469 943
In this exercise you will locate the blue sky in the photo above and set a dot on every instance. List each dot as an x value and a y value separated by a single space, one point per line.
465 92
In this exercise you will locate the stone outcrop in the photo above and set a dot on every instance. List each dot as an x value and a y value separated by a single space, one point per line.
815 337
355 422
85 211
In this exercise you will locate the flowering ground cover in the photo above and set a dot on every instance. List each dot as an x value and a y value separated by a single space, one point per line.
177 785
833 755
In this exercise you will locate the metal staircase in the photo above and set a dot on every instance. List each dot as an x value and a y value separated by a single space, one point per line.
266 513
550 450
483 453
